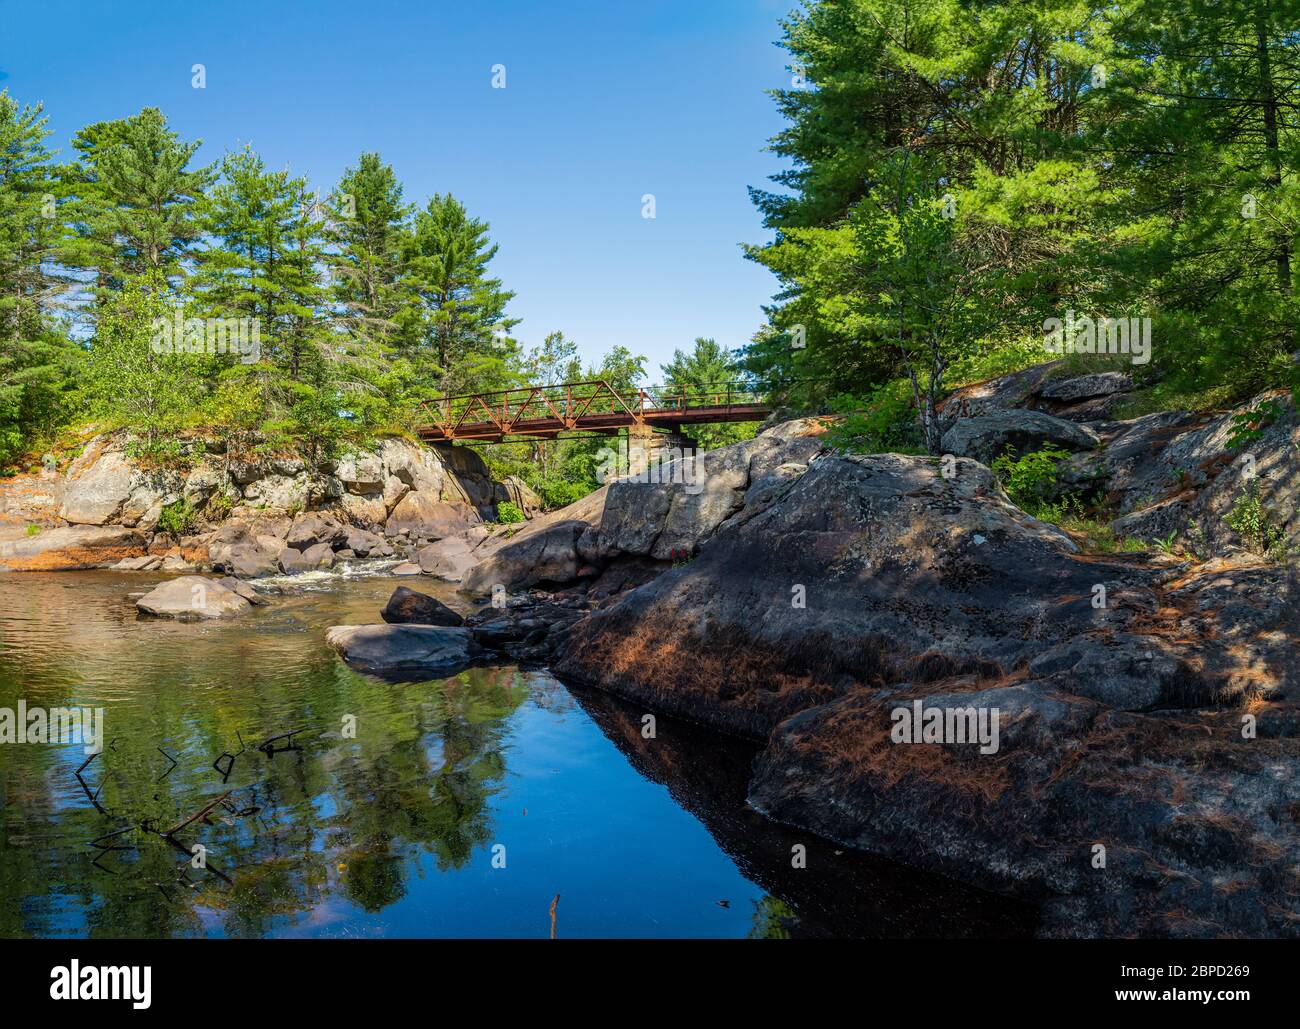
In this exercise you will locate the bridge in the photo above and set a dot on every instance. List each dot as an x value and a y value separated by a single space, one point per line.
543 412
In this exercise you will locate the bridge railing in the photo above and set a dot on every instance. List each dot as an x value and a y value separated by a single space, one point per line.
568 403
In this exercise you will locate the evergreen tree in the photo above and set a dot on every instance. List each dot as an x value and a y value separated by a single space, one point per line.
707 369
368 234
458 331
36 358
135 197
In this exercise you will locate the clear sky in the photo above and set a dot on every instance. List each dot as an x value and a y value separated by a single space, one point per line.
605 101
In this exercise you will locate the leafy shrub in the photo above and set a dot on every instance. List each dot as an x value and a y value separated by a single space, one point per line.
881 422
1250 425
176 518
508 513
1251 522
33 530
561 492
1029 480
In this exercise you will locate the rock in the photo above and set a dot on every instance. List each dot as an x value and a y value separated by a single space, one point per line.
406 568
279 492
319 556
872 583
67 549
548 555
147 563
1000 394
247 561
314 527
361 543
643 519
245 472
244 590
408 606
368 512
466 479
394 490
1084 387
404 650
291 561
191 598
202 483
447 559
1177 472
413 467
988 436
514 490
176 563
423 514
96 490
361 473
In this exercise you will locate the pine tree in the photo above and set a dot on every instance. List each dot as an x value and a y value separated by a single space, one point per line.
459 331
707 369
368 235
35 357
135 197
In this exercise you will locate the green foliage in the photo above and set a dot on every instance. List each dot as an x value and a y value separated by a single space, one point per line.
1029 480
1249 519
133 196
882 422
1250 425
176 518
509 513
36 357
33 530
457 329
1135 159
702 372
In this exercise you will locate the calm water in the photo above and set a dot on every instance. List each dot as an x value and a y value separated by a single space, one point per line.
393 832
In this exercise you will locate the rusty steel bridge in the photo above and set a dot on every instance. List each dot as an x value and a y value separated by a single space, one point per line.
590 407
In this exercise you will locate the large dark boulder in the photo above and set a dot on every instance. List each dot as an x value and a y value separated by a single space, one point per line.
990 435
404 651
406 606
1121 685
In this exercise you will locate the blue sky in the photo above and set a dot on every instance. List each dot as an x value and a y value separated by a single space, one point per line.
605 101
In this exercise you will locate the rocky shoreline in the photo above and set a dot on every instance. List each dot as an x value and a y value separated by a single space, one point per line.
1144 774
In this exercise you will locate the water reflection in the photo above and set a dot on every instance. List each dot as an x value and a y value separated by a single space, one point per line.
391 829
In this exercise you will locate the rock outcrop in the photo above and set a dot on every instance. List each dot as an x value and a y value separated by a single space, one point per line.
1121 685
664 521
70 548
246 510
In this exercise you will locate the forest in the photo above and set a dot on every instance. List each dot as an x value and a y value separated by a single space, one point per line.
959 175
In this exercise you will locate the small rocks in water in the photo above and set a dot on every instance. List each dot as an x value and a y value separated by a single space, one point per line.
191 598
406 606
250 561
243 589
292 561
426 650
319 556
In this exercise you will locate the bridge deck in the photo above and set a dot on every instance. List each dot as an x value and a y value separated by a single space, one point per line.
547 411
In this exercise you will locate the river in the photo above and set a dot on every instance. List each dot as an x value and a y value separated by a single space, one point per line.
454 808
